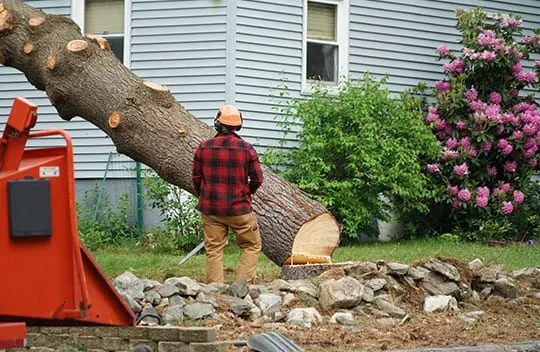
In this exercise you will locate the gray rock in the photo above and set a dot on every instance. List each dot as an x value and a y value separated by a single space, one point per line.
173 315
376 284
343 293
149 284
239 288
131 302
177 300
471 317
129 283
168 290
368 296
342 318
305 286
388 321
269 303
241 307
152 296
439 303
204 298
389 308
149 315
505 287
197 311
445 269
436 284
255 290
186 285
288 300
280 285
526 272
489 275
360 269
476 264
307 317
417 272
397 269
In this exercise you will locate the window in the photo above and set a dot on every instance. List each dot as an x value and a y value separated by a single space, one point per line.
104 18
326 44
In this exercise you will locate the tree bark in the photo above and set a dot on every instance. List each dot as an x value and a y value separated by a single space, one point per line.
82 77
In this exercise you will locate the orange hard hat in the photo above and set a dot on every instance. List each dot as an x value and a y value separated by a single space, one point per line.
229 115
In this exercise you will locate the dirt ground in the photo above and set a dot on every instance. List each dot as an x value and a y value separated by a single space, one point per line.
503 322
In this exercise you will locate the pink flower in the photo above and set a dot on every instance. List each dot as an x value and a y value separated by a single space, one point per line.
471 94
510 166
495 98
461 170
502 143
433 168
511 22
443 86
529 129
461 125
477 105
505 187
519 197
486 145
529 143
465 142
517 134
532 163
488 56
455 204
523 106
442 50
487 37
452 190
529 153
451 143
514 92
508 149
517 68
507 208
464 195
481 202
479 116
492 171
537 63
471 151
449 154
483 191
440 125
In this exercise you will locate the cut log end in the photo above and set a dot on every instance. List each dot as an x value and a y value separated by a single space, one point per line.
77 45
156 86
5 18
36 21
28 47
114 119
102 42
315 242
51 62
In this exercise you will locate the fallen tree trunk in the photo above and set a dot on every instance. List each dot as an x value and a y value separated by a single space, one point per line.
82 77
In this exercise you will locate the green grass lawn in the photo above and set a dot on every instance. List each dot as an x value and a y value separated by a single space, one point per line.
158 266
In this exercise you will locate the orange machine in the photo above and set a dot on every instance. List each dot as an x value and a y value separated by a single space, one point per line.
46 275
12 335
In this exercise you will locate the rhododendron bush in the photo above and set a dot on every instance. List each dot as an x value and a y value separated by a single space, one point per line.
488 125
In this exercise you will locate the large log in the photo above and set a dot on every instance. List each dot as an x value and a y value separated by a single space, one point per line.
82 77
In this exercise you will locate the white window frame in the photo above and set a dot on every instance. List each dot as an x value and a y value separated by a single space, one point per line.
77 15
342 34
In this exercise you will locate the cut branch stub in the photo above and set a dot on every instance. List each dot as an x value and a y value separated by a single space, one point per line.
36 21
77 45
102 42
51 61
114 119
28 47
5 18
156 86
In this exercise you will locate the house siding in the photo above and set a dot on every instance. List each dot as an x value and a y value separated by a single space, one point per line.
400 38
268 56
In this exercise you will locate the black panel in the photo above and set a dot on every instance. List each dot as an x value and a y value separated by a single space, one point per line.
29 207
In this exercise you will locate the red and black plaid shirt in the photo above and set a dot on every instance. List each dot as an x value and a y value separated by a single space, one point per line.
226 173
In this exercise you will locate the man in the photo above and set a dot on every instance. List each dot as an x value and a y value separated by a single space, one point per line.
226 174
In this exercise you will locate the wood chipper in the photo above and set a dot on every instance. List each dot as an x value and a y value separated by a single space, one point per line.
46 275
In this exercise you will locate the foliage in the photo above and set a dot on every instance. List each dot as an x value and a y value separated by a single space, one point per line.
101 224
358 152
488 129
177 207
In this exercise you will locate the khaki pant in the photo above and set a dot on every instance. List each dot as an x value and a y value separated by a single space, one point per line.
248 238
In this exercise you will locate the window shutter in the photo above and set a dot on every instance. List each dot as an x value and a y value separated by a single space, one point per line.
321 21
104 16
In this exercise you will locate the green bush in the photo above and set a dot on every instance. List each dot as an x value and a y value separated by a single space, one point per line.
357 148
102 225
177 207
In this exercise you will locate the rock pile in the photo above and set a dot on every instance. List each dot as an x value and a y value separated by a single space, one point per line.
390 292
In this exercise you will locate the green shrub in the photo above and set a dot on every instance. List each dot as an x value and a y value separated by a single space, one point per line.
104 226
177 207
357 148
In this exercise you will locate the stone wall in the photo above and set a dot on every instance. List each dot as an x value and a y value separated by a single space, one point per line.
101 339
